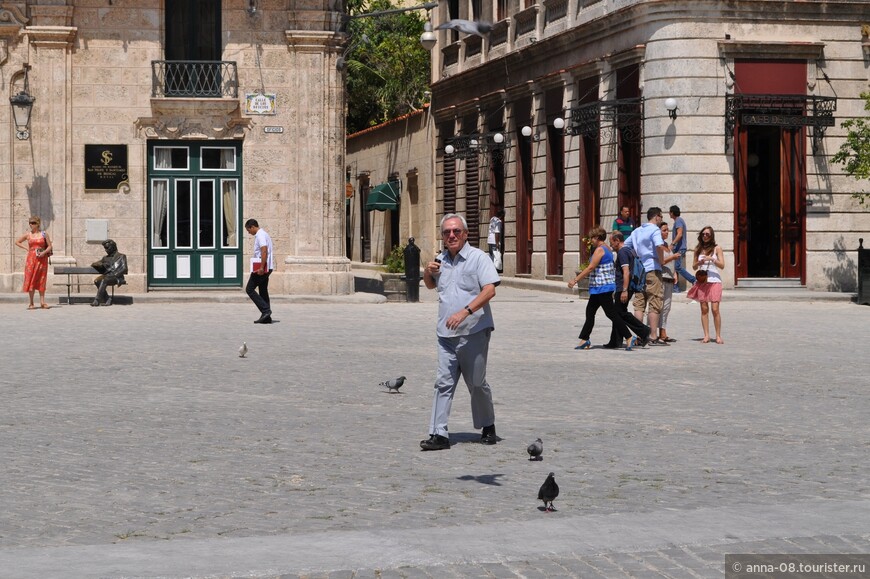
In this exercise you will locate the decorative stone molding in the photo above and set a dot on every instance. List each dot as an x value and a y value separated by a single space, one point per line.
12 17
45 16
194 119
789 50
51 36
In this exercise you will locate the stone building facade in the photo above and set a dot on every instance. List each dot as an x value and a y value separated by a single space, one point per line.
392 160
760 89
209 112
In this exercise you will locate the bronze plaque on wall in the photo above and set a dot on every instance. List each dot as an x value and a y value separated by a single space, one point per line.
105 167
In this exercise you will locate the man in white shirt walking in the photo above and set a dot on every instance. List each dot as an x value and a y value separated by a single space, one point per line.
262 265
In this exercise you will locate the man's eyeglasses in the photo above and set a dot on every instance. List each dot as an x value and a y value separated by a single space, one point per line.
33 222
447 232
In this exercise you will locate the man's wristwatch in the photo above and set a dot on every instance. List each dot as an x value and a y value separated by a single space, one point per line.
468 309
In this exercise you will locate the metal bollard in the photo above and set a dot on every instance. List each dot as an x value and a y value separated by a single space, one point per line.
412 270
863 273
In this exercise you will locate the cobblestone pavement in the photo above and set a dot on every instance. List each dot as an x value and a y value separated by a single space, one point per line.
136 442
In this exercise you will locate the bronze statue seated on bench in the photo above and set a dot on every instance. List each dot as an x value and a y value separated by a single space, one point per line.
112 267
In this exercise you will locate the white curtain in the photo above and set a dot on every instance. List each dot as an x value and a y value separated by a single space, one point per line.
228 159
162 158
159 202
230 218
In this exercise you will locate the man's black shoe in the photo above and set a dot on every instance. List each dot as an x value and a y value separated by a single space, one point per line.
488 435
264 319
643 342
435 442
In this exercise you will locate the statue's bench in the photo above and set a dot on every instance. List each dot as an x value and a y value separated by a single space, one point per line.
69 272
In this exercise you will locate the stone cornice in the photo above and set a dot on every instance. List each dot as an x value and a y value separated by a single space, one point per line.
51 36
742 49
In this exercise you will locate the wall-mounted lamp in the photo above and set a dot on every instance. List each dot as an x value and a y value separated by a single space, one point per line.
467 146
22 106
252 7
559 123
671 105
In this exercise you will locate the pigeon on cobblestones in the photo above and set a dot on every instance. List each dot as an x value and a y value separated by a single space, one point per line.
548 492
477 28
394 384
535 450
243 350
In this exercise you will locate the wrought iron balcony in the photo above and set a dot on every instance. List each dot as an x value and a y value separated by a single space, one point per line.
194 78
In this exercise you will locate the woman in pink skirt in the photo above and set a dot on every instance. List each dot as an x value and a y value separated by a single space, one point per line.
709 259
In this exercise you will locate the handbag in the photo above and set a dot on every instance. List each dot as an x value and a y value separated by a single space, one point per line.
701 276
48 252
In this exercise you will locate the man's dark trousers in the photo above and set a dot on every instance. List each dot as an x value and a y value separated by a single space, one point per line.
260 283
639 328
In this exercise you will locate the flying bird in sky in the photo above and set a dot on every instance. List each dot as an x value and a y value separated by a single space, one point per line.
475 27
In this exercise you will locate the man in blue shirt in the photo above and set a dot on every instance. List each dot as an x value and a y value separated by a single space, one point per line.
678 245
465 278
647 243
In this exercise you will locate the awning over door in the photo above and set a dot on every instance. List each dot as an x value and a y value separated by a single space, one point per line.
384 196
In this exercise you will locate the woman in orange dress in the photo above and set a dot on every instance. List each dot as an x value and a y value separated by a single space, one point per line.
36 267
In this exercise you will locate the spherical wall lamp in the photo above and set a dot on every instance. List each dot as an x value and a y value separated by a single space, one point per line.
498 138
526 131
671 105
449 149
559 123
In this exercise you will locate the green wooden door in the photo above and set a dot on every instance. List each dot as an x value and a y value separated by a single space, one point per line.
194 204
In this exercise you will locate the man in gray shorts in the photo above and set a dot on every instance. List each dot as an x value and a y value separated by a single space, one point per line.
647 242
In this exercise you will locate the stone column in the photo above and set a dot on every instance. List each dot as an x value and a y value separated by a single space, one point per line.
315 262
13 55
43 166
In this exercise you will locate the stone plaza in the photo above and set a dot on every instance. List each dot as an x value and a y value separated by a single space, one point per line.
137 443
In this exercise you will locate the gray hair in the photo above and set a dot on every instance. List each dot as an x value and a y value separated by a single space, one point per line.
454 216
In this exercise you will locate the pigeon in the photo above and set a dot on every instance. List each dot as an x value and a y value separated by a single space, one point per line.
243 350
394 384
475 27
548 492
535 450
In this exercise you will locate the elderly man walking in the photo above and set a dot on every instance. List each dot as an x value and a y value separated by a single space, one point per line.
465 278
649 246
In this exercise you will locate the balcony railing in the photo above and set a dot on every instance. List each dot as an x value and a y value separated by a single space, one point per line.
194 78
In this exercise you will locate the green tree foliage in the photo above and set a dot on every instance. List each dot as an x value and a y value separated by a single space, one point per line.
854 154
387 74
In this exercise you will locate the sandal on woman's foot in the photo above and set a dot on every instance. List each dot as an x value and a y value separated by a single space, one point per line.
719 340
45 307
31 307
705 340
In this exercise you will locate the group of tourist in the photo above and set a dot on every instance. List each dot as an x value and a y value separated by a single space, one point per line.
610 270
